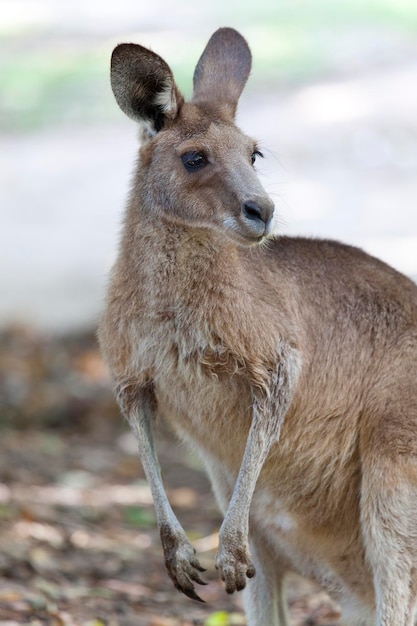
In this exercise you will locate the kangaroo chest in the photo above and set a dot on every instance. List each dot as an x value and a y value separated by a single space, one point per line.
202 403
190 348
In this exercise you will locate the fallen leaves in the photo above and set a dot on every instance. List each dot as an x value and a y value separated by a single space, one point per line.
223 618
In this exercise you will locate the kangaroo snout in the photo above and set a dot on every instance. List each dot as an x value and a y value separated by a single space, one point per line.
258 216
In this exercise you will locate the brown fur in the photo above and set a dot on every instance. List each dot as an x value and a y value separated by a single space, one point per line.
291 366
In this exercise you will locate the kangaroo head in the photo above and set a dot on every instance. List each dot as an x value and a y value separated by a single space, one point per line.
196 166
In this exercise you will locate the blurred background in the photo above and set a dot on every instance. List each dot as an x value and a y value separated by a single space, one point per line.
333 102
332 99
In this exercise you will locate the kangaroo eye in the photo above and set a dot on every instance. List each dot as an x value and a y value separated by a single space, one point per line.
193 161
256 153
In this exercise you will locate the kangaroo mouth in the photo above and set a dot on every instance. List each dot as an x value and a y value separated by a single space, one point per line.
245 236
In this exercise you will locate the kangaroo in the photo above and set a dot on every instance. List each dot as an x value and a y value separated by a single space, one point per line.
290 364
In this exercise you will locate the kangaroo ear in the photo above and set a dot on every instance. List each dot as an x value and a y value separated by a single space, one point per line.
144 86
222 70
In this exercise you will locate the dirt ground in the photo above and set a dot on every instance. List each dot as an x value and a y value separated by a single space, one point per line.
78 542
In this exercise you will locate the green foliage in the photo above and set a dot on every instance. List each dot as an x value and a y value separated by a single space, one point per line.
43 84
220 618
223 618
139 517
7 512
43 89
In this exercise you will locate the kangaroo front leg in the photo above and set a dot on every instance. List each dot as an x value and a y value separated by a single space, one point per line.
183 567
270 405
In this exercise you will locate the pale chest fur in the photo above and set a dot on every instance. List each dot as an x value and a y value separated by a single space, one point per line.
197 385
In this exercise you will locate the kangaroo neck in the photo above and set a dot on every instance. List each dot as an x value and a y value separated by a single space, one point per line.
185 254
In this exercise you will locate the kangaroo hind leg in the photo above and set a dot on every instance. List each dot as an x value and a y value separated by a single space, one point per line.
264 596
389 527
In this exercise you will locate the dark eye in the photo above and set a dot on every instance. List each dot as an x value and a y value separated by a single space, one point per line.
193 161
256 153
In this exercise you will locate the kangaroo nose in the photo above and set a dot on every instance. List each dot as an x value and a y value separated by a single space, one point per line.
257 213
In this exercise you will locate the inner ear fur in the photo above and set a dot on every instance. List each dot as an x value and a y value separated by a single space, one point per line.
144 87
222 70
